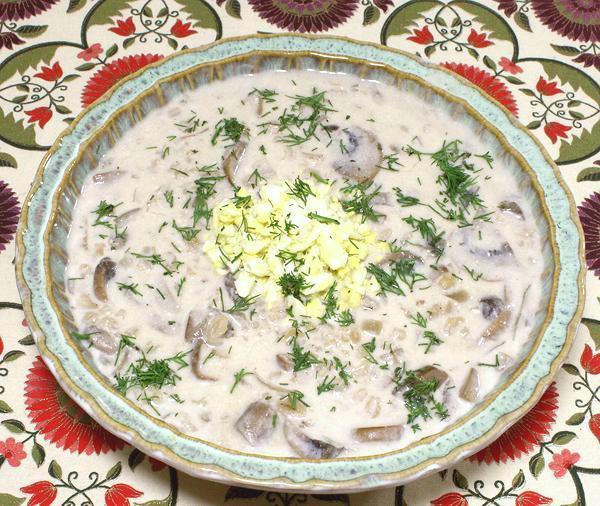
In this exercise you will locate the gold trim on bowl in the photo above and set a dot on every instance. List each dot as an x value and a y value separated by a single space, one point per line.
215 472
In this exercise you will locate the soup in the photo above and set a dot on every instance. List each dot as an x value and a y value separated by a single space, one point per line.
304 264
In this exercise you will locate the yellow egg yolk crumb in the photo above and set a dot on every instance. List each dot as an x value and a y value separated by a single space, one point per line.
275 236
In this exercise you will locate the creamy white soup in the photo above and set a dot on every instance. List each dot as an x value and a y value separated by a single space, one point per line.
304 264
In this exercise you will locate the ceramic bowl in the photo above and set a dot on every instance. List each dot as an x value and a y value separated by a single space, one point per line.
41 260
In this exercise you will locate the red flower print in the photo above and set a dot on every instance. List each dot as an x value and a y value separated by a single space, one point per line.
53 73
91 52
12 451
478 39
555 130
43 492
450 499
561 462
509 66
487 82
529 498
156 465
383 4
547 88
1 346
124 28
41 115
59 419
106 77
594 425
119 495
180 29
523 436
590 361
421 36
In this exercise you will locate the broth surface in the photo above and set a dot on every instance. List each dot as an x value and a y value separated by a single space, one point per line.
304 264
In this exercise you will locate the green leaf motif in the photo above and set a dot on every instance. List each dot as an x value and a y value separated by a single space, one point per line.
536 464
14 426
513 80
10 500
571 369
576 418
31 31
522 21
593 325
103 12
459 480
519 480
167 501
38 454
489 63
135 458
75 5
112 50
5 408
12 355
85 66
55 470
370 15
590 174
202 14
534 124
406 16
566 50
232 7
113 472
15 133
7 160
22 62
563 437
490 21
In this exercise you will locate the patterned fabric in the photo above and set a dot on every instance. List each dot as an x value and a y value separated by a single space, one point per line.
539 58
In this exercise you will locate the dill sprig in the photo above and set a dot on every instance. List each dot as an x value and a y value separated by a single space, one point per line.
418 394
242 304
322 219
294 284
428 230
228 129
300 189
302 359
131 287
237 377
155 259
187 233
205 188
294 397
326 385
401 271
344 375
361 201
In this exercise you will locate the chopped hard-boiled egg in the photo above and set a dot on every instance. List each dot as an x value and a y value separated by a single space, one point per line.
304 247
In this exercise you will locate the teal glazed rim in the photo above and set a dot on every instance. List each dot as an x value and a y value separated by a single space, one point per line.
352 474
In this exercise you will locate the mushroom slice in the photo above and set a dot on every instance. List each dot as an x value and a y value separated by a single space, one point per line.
122 219
510 207
213 328
103 340
256 423
503 251
271 384
491 307
307 447
361 154
470 389
497 326
381 433
104 272
232 161
372 327
284 361
197 364
429 373
402 254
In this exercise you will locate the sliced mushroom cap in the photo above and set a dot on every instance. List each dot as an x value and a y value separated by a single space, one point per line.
256 423
232 161
211 330
372 327
382 433
470 389
104 272
229 283
491 307
510 207
503 251
307 447
103 340
285 362
197 364
122 219
497 326
431 372
397 256
360 156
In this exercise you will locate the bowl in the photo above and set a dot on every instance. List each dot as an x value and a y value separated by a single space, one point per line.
42 257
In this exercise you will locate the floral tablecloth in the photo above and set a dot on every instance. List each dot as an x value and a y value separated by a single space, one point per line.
540 58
